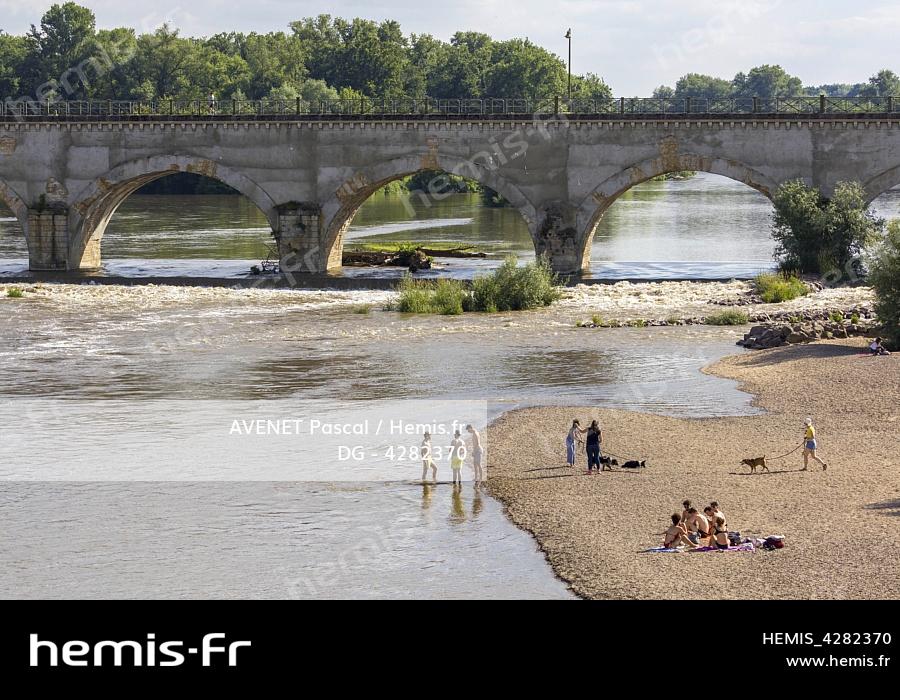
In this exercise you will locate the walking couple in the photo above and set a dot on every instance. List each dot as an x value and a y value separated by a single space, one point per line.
592 439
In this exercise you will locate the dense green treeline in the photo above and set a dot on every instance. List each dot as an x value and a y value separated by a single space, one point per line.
66 57
774 81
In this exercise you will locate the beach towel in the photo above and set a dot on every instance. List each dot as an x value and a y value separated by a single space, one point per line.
663 550
746 547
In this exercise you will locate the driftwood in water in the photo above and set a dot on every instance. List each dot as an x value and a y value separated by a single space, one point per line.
412 259
406 258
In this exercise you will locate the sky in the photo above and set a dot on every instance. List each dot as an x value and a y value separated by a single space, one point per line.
635 45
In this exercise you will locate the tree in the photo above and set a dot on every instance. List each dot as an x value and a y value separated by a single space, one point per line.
885 83
60 52
13 53
767 81
664 92
818 235
117 47
705 86
364 55
850 226
884 276
590 87
161 62
522 69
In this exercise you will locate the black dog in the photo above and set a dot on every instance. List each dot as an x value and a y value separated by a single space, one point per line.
634 464
608 462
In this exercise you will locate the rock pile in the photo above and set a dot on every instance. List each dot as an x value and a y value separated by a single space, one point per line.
785 328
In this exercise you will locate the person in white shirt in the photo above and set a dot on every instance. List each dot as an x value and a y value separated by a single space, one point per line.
876 348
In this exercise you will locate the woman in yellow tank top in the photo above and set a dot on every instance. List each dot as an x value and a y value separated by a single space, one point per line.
810 445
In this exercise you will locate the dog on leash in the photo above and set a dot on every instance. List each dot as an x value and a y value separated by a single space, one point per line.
634 464
608 462
756 462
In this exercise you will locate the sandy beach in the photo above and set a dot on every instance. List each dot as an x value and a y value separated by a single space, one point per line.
842 526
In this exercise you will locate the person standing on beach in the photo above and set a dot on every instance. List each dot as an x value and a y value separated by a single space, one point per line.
592 445
427 461
457 457
572 439
809 446
477 453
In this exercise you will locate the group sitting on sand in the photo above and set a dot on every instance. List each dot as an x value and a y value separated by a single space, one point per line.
693 529
592 441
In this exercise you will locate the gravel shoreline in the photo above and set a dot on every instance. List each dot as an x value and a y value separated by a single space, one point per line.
842 526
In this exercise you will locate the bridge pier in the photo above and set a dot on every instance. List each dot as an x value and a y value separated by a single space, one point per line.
301 244
558 240
47 236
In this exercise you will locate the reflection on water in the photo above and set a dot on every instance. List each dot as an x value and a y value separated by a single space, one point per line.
707 226
264 540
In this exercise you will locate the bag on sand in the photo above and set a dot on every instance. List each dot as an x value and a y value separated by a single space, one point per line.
774 542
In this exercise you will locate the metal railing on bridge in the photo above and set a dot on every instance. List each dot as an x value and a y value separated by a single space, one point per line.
24 109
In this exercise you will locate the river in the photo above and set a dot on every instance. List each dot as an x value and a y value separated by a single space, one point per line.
78 362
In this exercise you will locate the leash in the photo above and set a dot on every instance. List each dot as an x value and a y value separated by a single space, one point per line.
789 453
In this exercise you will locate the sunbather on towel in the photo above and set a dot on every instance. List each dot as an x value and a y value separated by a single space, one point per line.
698 527
717 512
720 534
677 534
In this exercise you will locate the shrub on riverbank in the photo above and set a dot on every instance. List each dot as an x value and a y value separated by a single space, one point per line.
884 276
818 235
508 288
514 288
729 317
14 293
774 288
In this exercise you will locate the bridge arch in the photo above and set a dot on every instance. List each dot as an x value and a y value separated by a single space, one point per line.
881 183
604 195
346 199
95 205
14 203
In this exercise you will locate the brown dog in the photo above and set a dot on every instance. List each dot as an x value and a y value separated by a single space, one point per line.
754 463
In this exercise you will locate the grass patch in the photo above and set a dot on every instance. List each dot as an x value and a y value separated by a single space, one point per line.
729 317
397 246
445 297
15 293
836 317
774 288
362 309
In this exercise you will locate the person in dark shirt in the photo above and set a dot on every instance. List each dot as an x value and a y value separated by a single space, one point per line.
592 447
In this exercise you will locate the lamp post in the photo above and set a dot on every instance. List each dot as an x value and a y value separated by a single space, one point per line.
569 37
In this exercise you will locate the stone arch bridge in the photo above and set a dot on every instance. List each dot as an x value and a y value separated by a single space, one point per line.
64 178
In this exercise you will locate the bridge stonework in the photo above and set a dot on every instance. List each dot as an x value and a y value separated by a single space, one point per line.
64 180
